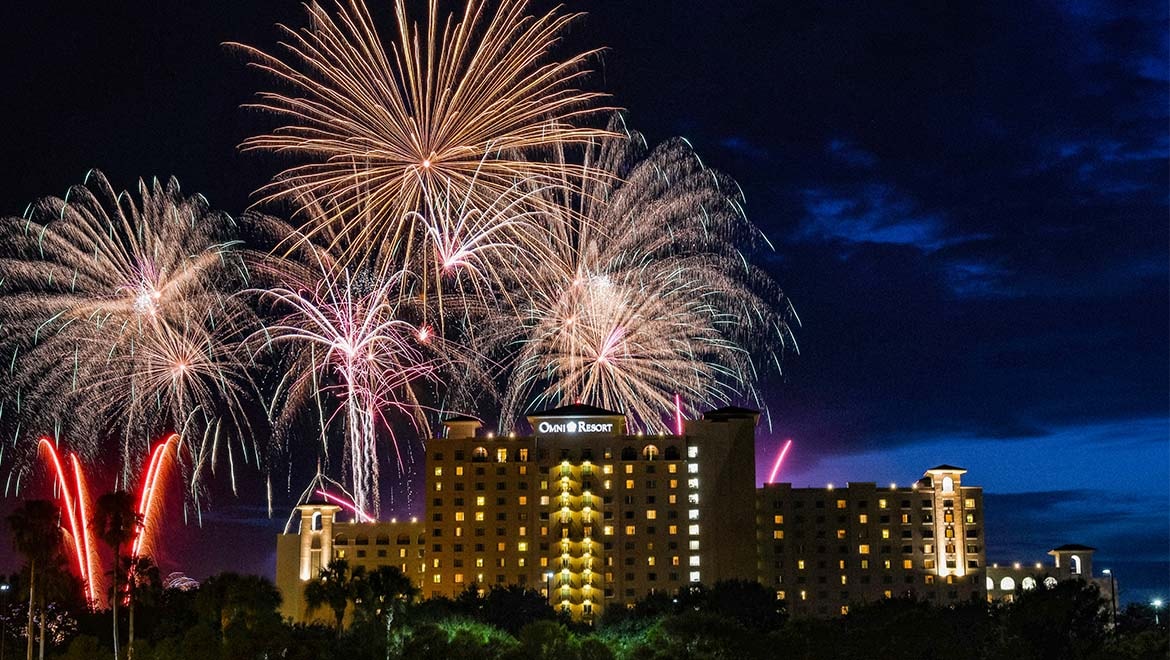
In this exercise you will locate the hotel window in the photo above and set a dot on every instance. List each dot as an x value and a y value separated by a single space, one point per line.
629 469
800 564
841 504
479 516
692 451
969 502
673 529
607 530
693 544
438 471
885 533
459 516
840 534
629 530
479 500
844 579
969 518
693 514
672 468
522 500
672 499
458 578
887 564
438 486
651 514
882 504
905 519
693 530
650 560
693 560
502 455
437 578
459 470
863 549
778 534
693 468
523 531
865 564
778 519
863 518
629 484
928 564
908 564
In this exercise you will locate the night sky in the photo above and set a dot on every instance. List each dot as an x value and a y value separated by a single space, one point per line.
968 203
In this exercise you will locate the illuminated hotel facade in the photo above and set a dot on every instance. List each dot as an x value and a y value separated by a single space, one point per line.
593 517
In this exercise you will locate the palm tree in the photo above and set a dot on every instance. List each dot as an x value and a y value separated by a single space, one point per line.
381 594
334 587
36 533
143 586
115 522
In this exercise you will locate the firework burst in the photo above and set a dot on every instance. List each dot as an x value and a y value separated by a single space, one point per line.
455 104
650 292
118 313
347 339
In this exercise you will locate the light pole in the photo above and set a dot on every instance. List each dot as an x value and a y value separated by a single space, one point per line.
4 588
1112 597
1157 605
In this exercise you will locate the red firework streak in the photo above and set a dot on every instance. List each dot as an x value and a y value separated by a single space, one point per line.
779 460
74 495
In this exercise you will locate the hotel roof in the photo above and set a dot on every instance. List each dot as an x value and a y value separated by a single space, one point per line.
577 410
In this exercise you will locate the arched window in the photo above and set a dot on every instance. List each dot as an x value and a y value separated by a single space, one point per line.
362 540
1049 582
1007 584
382 540
672 453
650 452
1028 584
479 454
315 525
629 454
948 485
990 584
403 539
340 540
1076 564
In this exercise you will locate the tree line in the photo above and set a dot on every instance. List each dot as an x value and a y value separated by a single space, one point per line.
379 614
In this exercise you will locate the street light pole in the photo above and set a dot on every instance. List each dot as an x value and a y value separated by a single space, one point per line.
1112 597
1157 604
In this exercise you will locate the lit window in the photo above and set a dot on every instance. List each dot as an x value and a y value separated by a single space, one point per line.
1028 584
887 564
885 533
692 451
778 534
523 531
523 500
501 455
650 560
436 578
458 578
607 469
672 530
693 530
865 564
844 579
438 473
693 544
803 594
629 469
693 468
629 530
863 549
651 514
674 561
693 560
841 504
969 503
840 534
672 499
479 500
629 484
844 610
672 468
908 564
522 546
1007 584
695 576
501 546
882 504
459 516
544 500
607 530
800 564
948 485
459 471
863 518
778 519
479 516
438 486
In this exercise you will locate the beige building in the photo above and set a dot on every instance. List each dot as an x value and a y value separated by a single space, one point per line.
579 510
1069 562
594 517
824 549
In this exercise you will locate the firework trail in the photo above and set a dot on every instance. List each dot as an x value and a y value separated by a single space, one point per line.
119 313
649 291
779 461
347 339
456 103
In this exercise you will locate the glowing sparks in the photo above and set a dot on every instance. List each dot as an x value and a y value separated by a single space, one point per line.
77 515
360 515
644 291
117 316
779 461
457 102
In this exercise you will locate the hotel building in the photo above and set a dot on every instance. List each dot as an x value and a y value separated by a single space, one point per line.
823 549
593 517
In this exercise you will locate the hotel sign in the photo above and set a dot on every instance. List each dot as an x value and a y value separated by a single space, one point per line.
574 426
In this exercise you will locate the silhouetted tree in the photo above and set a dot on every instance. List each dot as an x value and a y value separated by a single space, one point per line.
512 607
36 534
115 522
333 587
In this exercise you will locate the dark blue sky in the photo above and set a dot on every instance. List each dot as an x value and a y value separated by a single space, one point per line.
969 204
